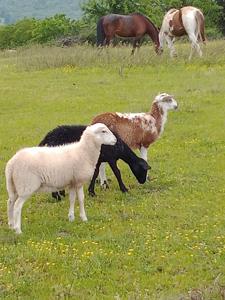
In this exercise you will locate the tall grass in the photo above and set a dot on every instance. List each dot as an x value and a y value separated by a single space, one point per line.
42 57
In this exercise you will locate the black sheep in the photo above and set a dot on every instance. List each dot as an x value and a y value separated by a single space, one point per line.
66 134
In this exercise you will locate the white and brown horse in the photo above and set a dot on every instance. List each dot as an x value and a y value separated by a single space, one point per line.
189 21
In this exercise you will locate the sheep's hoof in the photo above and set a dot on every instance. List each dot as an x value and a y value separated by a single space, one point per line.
17 230
71 218
124 190
91 193
105 185
84 218
11 225
62 193
56 196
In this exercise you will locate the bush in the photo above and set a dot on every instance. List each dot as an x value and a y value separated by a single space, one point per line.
32 30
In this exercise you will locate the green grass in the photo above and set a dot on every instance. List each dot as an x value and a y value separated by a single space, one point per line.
164 239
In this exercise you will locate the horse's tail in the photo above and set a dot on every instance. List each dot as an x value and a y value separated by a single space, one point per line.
100 32
200 26
180 18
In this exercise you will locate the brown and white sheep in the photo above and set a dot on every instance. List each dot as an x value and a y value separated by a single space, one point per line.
139 130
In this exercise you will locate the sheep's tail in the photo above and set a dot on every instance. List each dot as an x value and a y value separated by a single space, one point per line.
9 181
100 33
200 26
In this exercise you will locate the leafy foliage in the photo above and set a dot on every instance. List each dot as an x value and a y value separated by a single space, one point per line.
33 30
45 30
93 9
221 21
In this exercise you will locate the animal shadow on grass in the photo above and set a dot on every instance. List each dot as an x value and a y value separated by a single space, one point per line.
155 185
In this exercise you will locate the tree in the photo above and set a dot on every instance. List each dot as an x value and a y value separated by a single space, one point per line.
51 28
155 10
221 21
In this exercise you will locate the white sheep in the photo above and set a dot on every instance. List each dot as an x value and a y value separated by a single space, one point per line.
138 130
48 169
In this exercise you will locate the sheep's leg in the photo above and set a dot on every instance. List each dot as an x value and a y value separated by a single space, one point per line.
103 179
17 213
117 173
72 198
80 195
144 153
10 206
56 196
91 188
62 193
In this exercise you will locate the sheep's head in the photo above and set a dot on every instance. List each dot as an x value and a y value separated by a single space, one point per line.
166 102
140 170
102 134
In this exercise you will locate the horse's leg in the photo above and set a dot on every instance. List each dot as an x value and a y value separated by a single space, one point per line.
170 44
139 41
107 40
161 39
194 45
136 44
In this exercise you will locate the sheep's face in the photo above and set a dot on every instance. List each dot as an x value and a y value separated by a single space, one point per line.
166 102
103 134
140 170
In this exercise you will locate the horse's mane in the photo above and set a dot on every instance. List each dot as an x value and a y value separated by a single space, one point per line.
139 14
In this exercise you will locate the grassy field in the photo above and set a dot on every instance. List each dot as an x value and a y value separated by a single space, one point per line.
164 239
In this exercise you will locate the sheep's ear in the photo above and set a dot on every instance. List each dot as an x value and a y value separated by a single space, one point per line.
149 167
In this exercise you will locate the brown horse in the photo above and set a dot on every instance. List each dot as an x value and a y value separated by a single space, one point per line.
189 21
134 25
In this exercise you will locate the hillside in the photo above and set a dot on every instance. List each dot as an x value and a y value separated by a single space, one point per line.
12 10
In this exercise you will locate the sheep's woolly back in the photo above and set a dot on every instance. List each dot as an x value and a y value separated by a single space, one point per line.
53 168
139 129
131 130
